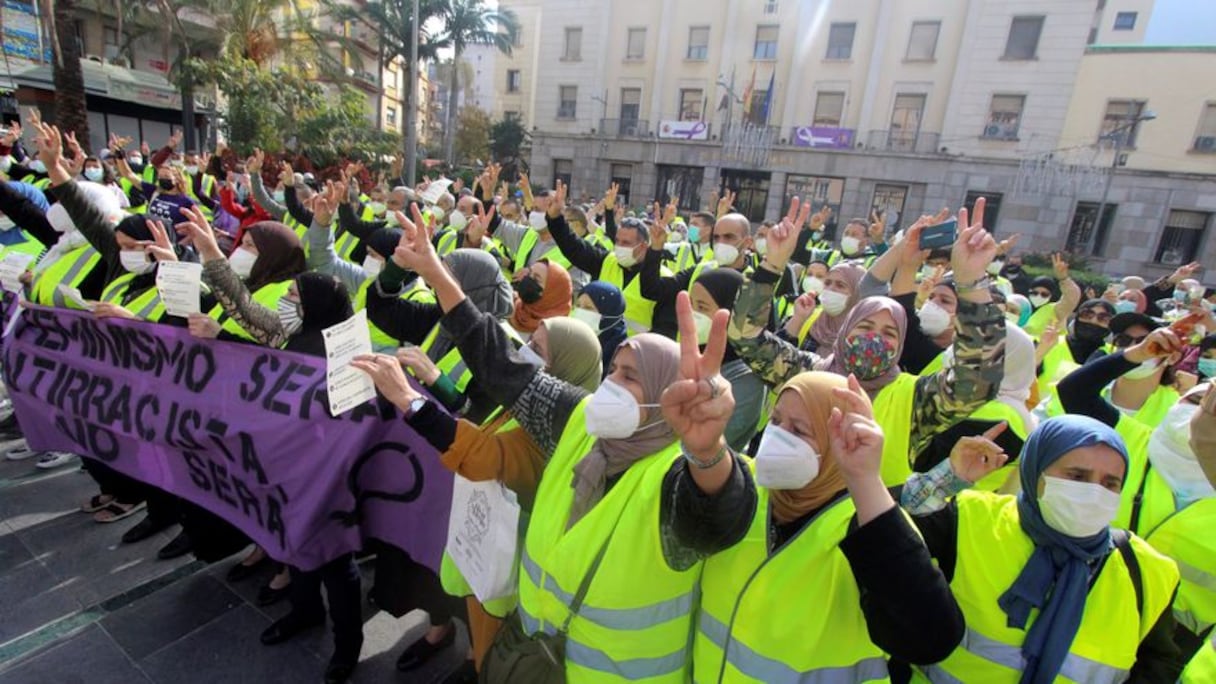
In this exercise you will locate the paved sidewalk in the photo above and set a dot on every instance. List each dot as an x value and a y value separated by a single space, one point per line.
76 605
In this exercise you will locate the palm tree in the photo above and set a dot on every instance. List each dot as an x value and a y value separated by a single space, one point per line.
470 22
71 108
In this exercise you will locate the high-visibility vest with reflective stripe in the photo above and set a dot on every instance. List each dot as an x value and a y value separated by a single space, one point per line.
71 268
701 267
450 241
805 330
1202 668
597 237
451 578
687 257
146 305
345 245
934 365
1057 364
1040 319
1188 537
418 293
1150 413
1142 483
639 311
635 622
893 411
836 257
452 363
30 246
267 295
531 238
995 411
126 186
790 615
208 187
40 183
992 550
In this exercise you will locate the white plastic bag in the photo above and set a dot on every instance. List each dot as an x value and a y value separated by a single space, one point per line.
483 532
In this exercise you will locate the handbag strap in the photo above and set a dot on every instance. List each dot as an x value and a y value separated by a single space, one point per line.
577 602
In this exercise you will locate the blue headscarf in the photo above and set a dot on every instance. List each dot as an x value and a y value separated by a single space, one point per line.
610 303
1056 578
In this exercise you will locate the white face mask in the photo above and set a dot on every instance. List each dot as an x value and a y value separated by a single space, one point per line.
279 196
94 173
762 246
784 460
438 213
135 160
833 302
725 254
624 256
591 318
378 208
242 261
529 354
537 220
372 266
390 220
934 320
191 170
813 284
994 267
1077 509
613 413
37 166
458 220
290 317
675 237
850 245
135 261
6 163
1038 300
1143 370
1169 450
704 323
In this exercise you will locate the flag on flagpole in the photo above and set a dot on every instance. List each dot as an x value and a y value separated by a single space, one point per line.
747 94
768 99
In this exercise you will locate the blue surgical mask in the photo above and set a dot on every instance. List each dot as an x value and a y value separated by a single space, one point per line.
694 233
1207 367
1125 306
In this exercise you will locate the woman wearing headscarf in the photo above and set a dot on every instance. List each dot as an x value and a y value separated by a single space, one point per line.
782 590
594 518
1049 591
498 449
1018 309
819 327
1086 338
602 306
543 290
911 409
1052 299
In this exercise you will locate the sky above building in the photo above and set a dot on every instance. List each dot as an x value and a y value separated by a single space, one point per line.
1182 22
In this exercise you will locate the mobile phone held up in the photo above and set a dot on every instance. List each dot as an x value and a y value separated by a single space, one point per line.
940 236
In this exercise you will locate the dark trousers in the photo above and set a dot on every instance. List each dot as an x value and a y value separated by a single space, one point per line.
343 588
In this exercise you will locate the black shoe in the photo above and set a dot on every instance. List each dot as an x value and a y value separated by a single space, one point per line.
338 672
177 548
465 674
241 571
288 626
268 595
143 529
422 650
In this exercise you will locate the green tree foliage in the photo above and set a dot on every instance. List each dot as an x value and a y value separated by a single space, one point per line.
509 145
473 135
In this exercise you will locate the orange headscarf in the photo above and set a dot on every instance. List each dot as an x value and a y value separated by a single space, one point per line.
555 301
815 390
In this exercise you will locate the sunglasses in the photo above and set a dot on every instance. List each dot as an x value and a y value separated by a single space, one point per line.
1123 340
1091 315
1041 293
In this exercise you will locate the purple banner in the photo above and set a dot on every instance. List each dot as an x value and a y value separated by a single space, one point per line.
825 137
242 431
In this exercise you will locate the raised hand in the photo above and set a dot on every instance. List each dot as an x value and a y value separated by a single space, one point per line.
973 458
783 237
1059 266
254 164
323 207
414 251
1185 271
878 228
161 248
725 203
1160 343
199 232
699 404
49 144
610 196
385 371
974 249
856 439
658 231
804 306
557 201
526 187
286 173
175 139
1006 246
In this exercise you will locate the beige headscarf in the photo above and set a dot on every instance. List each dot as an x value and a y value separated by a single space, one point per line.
574 352
658 360
815 390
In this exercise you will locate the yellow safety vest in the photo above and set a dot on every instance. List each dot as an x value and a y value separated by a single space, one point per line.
525 250
267 295
893 411
208 186
805 331
31 246
686 258
997 411
146 305
639 311
1146 496
934 366
1150 413
790 615
452 363
418 293
992 550
635 622
71 268
1187 537
1040 319
1056 366
1202 668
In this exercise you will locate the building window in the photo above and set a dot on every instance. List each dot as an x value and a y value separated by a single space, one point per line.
992 207
840 41
1023 40
1125 21
1183 235
1004 117
390 115
518 39
631 106
698 42
573 51
1087 235
636 46
1121 122
905 121
766 42
567 106
563 170
513 80
889 204
690 104
512 115
622 175
1205 138
819 191
829 109
922 43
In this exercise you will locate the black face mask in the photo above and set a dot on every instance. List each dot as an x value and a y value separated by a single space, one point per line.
1088 332
1013 269
529 290
166 184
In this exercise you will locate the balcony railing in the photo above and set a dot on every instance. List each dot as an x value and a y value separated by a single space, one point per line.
900 141
625 128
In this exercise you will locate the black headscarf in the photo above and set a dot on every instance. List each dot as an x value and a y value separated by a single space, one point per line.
384 241
135 227
280 254
1049 284
325 302
723 286
1086 338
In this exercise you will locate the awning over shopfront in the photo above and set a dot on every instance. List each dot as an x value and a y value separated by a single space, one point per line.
109 80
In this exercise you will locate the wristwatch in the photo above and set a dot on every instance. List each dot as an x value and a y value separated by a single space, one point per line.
415 406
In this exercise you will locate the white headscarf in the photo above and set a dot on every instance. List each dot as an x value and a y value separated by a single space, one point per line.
1169 450
70 238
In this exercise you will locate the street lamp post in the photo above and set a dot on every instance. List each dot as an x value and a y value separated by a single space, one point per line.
1134 117
411 113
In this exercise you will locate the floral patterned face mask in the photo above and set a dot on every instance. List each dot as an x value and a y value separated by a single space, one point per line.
868 355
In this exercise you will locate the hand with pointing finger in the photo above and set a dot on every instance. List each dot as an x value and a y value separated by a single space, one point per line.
974 458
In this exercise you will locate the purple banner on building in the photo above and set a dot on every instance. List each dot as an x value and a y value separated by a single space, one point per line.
242 431
825 137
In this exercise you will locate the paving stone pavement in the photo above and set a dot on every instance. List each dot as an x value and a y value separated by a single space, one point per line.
76 605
